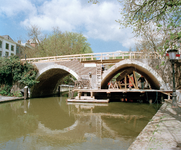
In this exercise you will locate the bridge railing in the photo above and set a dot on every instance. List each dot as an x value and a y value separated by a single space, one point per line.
98 56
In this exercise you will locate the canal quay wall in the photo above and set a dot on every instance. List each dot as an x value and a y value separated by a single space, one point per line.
163 132
8 98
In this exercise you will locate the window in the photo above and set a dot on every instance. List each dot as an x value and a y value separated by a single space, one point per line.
0 44
17 49
12 47
12 54
7 54
7 46
0 53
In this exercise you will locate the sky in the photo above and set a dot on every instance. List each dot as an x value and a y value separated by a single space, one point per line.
95 21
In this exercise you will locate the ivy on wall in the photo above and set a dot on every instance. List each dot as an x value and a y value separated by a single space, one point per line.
12 70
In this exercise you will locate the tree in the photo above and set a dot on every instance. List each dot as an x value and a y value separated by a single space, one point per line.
67 43
152 40
58 43
166 14
35 33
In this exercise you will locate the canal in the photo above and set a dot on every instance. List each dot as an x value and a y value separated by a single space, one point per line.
52 123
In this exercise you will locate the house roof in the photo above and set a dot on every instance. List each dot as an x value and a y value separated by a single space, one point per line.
7 37
33 40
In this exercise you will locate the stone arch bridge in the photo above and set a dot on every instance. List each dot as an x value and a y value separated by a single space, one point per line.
155 68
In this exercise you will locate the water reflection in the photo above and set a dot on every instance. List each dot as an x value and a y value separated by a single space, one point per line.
51 123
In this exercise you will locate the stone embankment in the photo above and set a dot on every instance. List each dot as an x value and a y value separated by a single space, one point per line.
163 132
8 98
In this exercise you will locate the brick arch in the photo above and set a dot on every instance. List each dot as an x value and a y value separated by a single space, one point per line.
148 72
56 66
49 77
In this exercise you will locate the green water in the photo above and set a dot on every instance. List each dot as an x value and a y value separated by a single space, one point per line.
53 124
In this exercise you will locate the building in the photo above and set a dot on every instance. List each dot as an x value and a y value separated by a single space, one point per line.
32 42
8 47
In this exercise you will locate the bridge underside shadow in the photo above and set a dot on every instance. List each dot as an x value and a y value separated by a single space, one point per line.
152 80
48 82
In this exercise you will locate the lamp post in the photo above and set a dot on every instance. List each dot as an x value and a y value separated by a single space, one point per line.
172 53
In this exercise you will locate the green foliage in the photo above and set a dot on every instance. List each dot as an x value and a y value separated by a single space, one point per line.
28 75
3 92
5 89
69 79
59 43
67 43
16 94
163 63
12 71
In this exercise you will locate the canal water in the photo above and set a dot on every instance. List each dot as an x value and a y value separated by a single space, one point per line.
53 124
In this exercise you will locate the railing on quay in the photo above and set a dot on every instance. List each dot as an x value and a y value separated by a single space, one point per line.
98 56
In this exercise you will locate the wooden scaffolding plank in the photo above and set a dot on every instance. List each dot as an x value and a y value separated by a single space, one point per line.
125 82
119 85
136 83
131 81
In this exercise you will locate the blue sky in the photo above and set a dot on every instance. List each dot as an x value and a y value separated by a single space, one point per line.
95 21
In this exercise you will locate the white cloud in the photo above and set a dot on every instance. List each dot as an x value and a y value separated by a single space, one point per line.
95 21
10 8
63 14
102 25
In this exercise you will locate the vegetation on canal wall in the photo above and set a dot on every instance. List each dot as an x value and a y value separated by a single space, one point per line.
14 72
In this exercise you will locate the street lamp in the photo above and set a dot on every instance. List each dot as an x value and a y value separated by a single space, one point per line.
172 53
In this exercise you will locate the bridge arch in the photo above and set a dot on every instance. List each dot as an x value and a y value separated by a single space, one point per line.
56 66
144 69
49 77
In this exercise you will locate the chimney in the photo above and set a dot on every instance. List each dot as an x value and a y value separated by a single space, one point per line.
28 42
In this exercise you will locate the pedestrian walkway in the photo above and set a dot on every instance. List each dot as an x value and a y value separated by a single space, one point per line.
163 132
